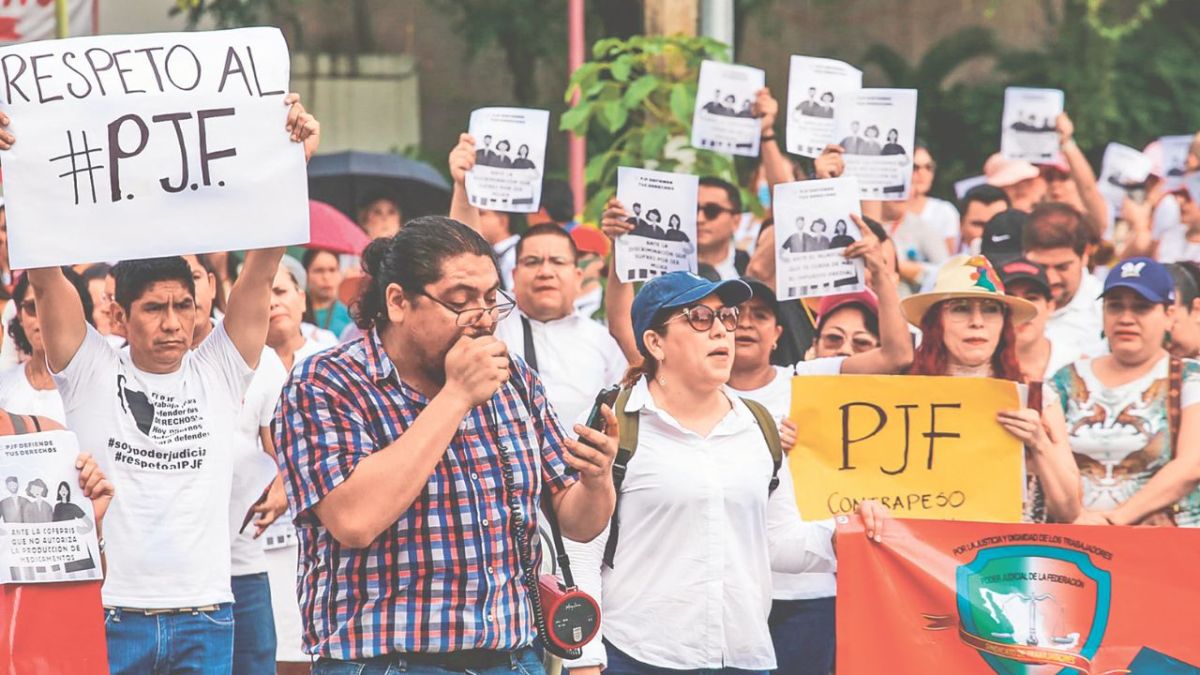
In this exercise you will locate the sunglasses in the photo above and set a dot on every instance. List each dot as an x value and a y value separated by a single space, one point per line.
925 167
711 210
701 317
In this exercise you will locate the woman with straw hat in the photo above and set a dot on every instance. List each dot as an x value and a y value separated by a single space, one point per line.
967 325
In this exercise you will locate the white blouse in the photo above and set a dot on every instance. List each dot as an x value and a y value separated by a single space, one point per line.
691 583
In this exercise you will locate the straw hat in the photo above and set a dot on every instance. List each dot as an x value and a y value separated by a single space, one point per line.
966 277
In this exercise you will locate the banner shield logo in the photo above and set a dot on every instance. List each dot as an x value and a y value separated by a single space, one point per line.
1033 610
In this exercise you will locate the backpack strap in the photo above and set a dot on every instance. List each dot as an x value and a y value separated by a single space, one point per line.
626 446
770 432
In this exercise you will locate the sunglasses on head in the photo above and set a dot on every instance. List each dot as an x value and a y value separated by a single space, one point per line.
711 210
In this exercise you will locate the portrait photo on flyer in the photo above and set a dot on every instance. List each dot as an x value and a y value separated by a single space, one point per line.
813 227
662 210
724 120
1029 124
877 129
48 531
510 159
816 86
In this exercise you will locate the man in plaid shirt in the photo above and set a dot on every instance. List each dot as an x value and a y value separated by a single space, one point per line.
388 446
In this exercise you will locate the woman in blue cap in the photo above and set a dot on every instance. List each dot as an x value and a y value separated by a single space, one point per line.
1132 415
688 587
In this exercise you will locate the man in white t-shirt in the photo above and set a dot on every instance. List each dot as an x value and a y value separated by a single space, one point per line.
574 356
252 505
162 416
1056 236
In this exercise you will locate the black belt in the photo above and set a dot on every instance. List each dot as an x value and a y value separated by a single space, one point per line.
463 661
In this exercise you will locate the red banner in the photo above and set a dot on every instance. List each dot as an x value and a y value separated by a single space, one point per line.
52 629
962 597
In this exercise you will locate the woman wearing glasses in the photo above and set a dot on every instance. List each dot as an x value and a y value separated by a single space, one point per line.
1133 412
802 620
28 388
688 584
967 326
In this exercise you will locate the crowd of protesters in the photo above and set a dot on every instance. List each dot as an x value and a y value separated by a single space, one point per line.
402 439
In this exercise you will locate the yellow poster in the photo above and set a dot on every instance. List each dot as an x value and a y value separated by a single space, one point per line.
926 447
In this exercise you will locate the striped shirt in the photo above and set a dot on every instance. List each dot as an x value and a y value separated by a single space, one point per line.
445 577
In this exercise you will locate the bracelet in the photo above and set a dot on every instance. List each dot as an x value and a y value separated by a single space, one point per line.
100 543
764 139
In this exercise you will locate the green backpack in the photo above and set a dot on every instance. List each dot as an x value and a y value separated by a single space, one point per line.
627 446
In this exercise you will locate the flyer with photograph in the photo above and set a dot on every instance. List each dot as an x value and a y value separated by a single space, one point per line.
815 89
724 118
813 227
877 128
662 210
48 531
510 153
1123 174
1029 124
1174 151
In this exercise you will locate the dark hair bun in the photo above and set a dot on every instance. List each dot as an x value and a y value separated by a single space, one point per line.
373 255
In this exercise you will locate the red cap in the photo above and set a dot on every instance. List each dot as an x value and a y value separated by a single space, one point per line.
832 303
590 240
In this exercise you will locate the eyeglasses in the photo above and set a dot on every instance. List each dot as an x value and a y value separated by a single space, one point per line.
534 262
29 307
466 318
711 210
962 310
701 317
859 343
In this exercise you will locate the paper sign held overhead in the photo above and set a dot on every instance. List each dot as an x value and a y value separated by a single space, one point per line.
133 146
662 211
724 120
1029 124
510 157
813 227
815 90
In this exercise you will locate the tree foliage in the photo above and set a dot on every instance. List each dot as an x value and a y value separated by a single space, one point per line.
636 98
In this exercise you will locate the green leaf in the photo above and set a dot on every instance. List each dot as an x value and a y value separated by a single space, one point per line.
596 167
640 89
622 67
654 141
613 115
682 104
576 119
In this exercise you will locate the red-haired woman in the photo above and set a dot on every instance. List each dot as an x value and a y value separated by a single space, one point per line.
967 325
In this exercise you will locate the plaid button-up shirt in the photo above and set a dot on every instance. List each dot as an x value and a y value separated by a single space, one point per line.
444 577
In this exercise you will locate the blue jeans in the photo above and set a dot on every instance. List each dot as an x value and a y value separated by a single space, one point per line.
620 663
253 625
167 644
805 635
524 662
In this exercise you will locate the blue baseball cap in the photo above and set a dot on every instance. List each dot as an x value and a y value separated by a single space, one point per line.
680 289
1146 277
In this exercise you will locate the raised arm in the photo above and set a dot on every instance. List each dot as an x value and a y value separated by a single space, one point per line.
895 351
1094 204
618 295
462 160
776 166
246 312
60 312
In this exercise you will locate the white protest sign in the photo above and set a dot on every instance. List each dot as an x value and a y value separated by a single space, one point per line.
878 129
1173 164
815 88
724 120
1123 173
813 227
1029 124
132 146
962 187
662 208
48 531
510 152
